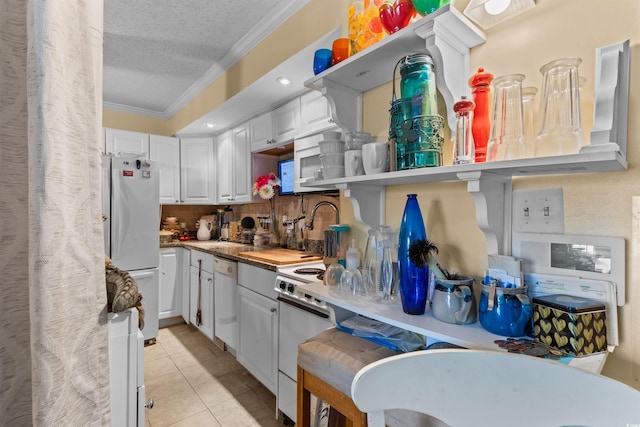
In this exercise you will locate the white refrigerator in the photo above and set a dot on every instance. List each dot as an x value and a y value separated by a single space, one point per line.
130 204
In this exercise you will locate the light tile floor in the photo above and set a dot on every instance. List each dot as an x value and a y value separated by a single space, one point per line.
194 383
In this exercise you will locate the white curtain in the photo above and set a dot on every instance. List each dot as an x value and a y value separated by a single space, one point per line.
54 360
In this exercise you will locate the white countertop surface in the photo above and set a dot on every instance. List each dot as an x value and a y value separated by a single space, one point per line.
470 336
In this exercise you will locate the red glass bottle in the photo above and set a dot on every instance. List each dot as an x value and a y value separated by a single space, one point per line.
480 84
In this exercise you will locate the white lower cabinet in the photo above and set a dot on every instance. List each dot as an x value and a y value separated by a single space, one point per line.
201 292
185 274
258 324
170 298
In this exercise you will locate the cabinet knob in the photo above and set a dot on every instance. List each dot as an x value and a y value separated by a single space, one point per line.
149 404
273 309
209 279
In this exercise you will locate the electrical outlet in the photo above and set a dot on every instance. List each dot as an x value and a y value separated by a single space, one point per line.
538 211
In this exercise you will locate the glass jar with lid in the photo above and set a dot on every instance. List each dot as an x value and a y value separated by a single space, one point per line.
418 85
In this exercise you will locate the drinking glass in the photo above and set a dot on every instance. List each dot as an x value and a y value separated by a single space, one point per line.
321 60
528 97
559 130
507 133
341 50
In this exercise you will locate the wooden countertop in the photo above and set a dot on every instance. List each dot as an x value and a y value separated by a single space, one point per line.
239 252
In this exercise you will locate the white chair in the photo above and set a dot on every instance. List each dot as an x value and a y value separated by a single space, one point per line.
491 388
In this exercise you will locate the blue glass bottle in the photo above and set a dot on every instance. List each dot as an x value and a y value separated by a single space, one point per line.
413 280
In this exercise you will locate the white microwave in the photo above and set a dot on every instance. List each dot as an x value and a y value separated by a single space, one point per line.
306 155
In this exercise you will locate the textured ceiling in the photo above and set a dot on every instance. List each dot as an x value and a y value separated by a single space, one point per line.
158 54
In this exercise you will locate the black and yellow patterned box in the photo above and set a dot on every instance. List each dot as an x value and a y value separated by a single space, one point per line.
574 325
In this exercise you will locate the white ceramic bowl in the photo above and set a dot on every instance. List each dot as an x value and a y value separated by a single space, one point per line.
331 146
330 172
332 135
332 159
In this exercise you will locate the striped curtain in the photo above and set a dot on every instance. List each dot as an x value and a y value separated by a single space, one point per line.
54 359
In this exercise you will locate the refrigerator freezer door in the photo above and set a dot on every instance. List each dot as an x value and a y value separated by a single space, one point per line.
135 218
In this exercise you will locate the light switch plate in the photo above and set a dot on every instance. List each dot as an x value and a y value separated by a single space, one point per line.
538 211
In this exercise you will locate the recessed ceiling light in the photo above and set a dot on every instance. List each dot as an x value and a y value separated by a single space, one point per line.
284 81
211 125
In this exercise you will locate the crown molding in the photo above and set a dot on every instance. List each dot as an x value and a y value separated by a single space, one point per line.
258 33
132 110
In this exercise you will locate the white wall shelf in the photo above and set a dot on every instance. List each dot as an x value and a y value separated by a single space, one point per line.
445 34
448 36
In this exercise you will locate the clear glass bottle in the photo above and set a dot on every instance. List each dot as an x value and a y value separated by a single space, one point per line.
464 150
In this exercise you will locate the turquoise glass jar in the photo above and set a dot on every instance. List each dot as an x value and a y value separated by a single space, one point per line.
418 85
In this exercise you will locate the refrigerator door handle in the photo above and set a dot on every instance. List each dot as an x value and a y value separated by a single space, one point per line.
117 227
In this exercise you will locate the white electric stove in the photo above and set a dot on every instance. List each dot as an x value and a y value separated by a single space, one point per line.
301 317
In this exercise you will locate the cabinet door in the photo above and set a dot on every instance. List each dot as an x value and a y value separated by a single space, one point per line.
197 179
315 113
201 284
258 346
126 143
170 299
225 167
165 151
184 262
242 165
286 121
261 132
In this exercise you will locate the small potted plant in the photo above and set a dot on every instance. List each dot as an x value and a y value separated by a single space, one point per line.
452 300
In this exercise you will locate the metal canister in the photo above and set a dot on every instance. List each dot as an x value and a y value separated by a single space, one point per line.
418 85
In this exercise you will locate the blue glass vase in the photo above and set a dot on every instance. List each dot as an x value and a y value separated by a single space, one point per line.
413 280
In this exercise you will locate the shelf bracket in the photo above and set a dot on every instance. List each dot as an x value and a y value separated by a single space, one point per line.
346 105
611 101
448 39
368 203
492 198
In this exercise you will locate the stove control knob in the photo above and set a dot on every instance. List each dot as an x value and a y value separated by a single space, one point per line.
282 285
290 288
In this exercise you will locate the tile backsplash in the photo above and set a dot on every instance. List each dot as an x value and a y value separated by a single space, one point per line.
292 206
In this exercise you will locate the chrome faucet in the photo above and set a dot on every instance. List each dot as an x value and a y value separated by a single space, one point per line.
309 225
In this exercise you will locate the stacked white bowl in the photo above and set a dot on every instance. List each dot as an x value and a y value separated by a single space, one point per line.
332 149
353 153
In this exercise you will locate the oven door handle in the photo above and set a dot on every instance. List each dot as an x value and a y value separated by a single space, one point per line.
303 307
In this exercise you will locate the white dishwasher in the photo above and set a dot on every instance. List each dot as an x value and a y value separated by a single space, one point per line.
226 301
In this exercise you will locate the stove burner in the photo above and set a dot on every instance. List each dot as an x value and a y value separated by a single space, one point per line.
308 271
320 276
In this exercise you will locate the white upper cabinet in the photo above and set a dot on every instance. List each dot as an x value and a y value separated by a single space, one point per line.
126 143
242 162
197 174
261 132
315 114
286 121
233 172
224 168
275 127
165 151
